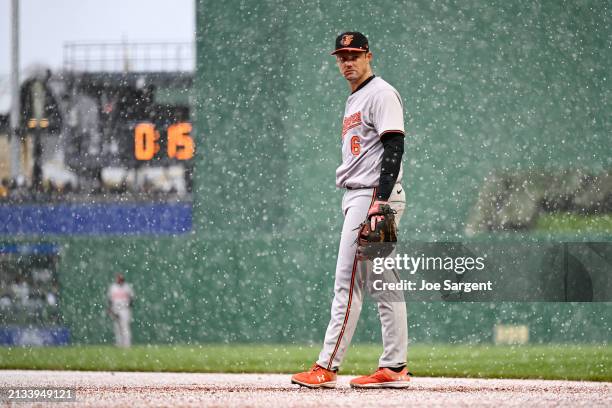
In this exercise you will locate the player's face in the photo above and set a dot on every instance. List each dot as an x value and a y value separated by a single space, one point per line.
354 65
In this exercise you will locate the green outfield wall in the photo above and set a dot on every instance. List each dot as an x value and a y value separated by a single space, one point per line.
487 86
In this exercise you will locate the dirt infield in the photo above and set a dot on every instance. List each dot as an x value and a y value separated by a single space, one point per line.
98 389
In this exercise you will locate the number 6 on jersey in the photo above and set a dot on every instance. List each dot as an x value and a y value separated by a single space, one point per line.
355 145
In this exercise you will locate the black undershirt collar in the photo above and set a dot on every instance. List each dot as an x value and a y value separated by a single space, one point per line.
364 83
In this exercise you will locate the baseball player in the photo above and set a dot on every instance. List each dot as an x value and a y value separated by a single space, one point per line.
370 173
120 300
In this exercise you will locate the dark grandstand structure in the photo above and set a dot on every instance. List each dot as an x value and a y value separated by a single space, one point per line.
112 135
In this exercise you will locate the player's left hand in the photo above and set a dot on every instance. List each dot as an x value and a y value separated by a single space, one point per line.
374 213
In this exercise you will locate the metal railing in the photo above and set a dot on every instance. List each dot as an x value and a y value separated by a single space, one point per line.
129 56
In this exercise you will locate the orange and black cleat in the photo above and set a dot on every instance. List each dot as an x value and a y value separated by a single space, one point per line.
383 378
317 377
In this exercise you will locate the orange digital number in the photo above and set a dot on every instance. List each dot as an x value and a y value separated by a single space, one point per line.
355 145
145 141
180 143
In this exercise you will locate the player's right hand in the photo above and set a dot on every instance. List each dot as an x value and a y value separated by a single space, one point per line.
375 213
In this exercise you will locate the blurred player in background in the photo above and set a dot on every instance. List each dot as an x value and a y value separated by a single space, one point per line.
120 300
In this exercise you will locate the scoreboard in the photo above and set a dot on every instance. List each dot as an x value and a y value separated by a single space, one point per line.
108 153
128 122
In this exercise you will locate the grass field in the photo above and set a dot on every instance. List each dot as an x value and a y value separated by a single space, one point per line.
569 362
574 223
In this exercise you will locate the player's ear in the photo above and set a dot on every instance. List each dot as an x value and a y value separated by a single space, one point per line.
368 56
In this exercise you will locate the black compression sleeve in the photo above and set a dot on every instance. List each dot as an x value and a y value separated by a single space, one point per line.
393 143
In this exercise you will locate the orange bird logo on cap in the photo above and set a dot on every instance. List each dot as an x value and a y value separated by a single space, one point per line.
346 40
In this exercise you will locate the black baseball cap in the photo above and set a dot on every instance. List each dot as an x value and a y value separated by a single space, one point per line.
351 41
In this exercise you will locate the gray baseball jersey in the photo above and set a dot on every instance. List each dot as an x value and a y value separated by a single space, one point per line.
120 295
370 112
